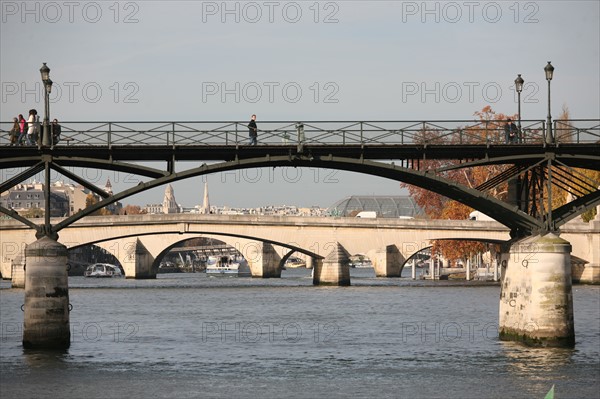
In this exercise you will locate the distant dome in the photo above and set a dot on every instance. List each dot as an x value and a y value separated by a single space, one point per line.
385 206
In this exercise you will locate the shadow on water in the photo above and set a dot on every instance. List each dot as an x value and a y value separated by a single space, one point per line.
543 367
46 358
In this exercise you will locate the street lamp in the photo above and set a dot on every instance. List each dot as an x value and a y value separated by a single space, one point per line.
45 71
519 87
549 70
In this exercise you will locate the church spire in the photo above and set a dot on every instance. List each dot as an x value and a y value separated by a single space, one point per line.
205 202
108 187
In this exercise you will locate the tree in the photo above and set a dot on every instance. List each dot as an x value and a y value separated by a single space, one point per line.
132 210
33 213
90 200
489 129
585 181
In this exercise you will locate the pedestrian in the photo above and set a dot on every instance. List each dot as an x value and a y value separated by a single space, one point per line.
253 130
32 122
22 129
510 131
14 132
56 130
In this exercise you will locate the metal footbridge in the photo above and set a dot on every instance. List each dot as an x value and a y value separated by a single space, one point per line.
561 156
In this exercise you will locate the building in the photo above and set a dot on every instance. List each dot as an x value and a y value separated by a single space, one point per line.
383 206
66 199
30 200
169 204
77 195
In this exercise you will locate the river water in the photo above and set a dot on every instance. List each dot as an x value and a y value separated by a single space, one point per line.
192 335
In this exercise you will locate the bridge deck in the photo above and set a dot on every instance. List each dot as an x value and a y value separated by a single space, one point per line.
22 156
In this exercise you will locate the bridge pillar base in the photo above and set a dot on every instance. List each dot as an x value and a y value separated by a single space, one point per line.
536 303
46 318
334 269
263 260
138 262
18 271
387 261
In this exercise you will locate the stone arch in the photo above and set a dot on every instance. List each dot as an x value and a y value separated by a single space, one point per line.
138 253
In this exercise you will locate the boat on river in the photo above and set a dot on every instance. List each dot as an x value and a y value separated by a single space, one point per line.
103 270
294 262
227 265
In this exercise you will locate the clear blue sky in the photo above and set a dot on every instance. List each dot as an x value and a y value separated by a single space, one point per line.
156 60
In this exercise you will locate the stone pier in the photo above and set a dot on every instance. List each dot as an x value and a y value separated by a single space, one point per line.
536 302
387 261
138 262
334 269
263 260
134 257
46 317
18 271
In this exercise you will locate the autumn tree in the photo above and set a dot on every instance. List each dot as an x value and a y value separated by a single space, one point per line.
90 200
588 180
32 213
132 210
489 129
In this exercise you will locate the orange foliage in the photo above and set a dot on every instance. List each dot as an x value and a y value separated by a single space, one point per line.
437 206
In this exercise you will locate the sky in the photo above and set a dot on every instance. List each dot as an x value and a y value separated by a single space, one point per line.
299 61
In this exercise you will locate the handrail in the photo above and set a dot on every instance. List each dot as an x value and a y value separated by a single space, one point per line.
343 133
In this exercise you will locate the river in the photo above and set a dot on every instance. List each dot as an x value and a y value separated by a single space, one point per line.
192 335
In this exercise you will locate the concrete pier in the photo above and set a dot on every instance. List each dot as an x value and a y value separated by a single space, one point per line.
18 271
387 261
536 303
334 269
263 260
46 318
138 261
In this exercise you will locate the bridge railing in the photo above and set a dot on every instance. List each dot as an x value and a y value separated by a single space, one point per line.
193 133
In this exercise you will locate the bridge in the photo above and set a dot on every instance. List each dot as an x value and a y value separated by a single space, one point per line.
140 241
550 156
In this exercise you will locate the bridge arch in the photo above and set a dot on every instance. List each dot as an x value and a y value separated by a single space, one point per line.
203 233
506 214
519 222
129 247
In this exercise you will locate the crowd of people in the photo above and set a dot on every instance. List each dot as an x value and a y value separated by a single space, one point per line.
29 132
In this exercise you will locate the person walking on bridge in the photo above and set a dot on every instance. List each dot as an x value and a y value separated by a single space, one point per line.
14 132
33 127
22 130
253 130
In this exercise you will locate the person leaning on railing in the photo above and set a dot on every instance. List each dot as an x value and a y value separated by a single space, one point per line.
56 130
511 131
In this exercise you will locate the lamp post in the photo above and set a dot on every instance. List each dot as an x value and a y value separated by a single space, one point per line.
519 87
549 70
45 71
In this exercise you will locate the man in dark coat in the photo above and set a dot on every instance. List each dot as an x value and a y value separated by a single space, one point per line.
253 130
510 130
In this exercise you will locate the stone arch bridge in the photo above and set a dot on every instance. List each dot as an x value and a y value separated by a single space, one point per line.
139 240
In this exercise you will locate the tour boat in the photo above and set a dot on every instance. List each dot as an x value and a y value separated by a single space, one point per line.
103 270
294 262
227 265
